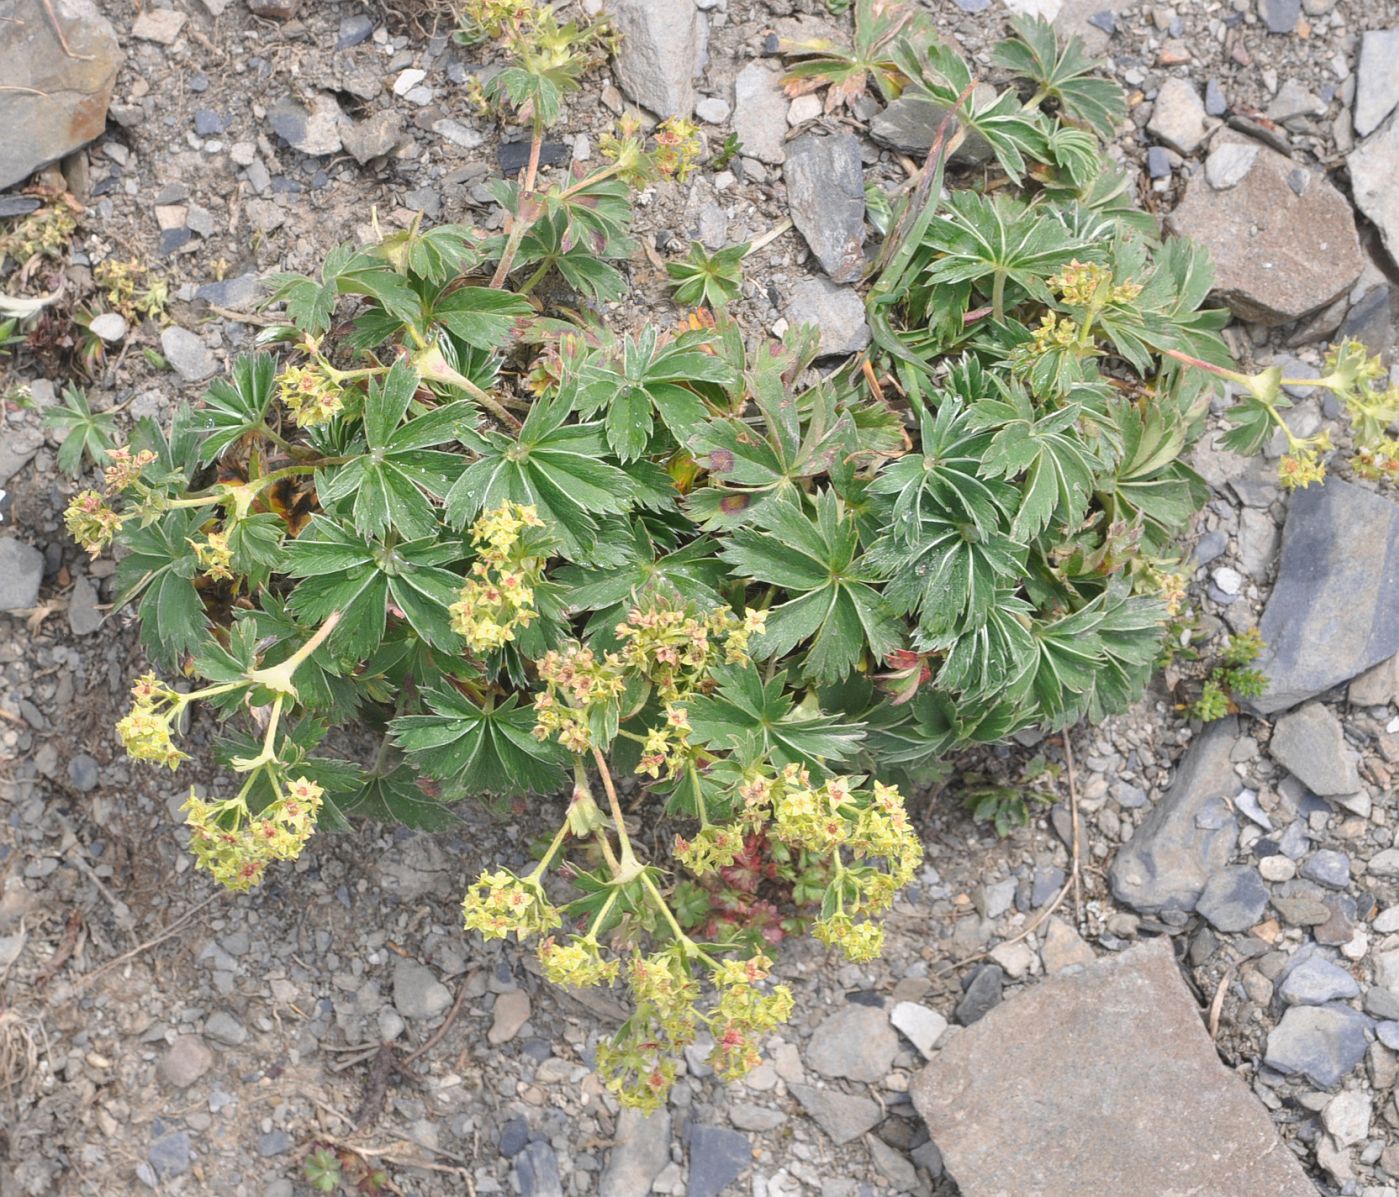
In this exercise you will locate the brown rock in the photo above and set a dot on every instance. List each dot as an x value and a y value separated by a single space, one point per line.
52 102
1097 1083
1282 237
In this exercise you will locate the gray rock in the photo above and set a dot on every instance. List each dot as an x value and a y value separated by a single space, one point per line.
273 1143
417 993
1215 102
1211 545
826 196
17 446
1388 1034
185 1062
837 311
1283 238
1294 100
169 1155
855 1043
222 1027
84 618
1347 1117
760 113
1178 116
659 54
1377 80
717 1157
354 29
109 326
1064 948
1310 744
1180 843
237 293
510 1013
1370 320
1329 868
893 1164
1280 16
1321 1043
84 773
1229 162
1384 864
840 1115
1158 163
1006 1101
910 124
1316 981
1233 899
188 356
713 111
53 102
1258 541
373 137
1374 165
641 1149
983 994
921 1026
21 572
274 10
314 131
1331 614
537 1171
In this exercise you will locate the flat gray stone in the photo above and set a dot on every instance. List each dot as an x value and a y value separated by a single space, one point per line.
315 130
185 1062
1234 899
1184 839
760 113
718 1157
1178 116
855 1043
1310 744
1315 981
417 993
1374 165
910 124
537 1171
659 53
641 1151
1321 1043
826 196
1332 613
1098 1082
373 137
1282 237
54 102
21 572
842 1116
1229 163
1377 80
838 312
83 616
187 354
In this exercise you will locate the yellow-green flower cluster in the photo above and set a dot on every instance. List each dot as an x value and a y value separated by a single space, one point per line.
1089 284
667 747
236 847
858 940
1054 332
713 847
91 522
145 730
576 681
131 289
1378 462
500 902
678 147
43 233
498 596
743 1012
125 468
311 394
1300 468
214 555
578 962
674 649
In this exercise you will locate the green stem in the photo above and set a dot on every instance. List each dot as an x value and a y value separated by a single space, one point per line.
998 296
628 864
550 852
688 945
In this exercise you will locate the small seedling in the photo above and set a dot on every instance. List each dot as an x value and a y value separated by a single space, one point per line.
1231 679
91 434
711 279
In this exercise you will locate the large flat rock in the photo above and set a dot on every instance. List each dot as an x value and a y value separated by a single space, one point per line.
53 102
659 53
1282 237
1188 836
1101 1083
1334 611
1374 165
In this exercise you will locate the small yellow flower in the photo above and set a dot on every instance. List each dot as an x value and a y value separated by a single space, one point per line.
91 522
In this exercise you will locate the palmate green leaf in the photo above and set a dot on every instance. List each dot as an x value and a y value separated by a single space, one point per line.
321 686
877 24
1251 419
437 255
477 750
549 245
1055 468
481 316
90 433
392 482
1063 72
237 405
743 705
709 279
343 571
1150 484
395 796
832 606
559 468
159 567
176 454
311 302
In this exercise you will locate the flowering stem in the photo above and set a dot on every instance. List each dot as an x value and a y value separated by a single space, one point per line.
602 914
628 863
688 945
550 853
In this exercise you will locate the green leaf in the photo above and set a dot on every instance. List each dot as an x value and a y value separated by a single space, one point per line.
713 280
90 433
482 317
396 797
742 705
311 302
1064 73
236 406
160 566
478 750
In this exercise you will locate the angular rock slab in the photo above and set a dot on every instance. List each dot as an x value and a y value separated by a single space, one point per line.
826 196
1374 165
1334 611
659 53
1096 1083
1282 237
1189 834
59 101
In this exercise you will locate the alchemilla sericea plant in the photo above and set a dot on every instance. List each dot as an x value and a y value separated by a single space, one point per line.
679 571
